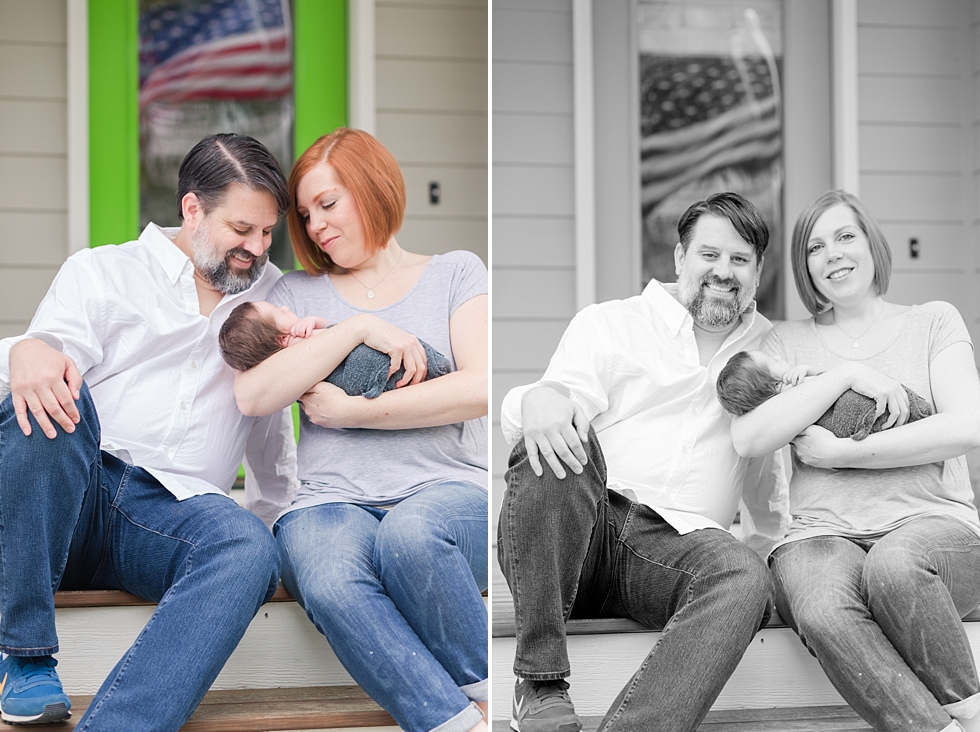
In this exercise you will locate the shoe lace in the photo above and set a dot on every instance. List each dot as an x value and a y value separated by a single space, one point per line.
548 694
35 671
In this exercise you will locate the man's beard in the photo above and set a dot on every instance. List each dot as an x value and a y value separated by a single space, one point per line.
713 312
217 270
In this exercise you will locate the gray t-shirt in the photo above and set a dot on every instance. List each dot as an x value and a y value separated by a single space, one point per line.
864 503
381 467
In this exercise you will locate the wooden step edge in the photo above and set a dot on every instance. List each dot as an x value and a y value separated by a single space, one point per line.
120 598
112 598
785 719
504 625
275 709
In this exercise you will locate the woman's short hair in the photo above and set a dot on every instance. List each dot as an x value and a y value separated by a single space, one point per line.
744 217
371 175
217 161
881 254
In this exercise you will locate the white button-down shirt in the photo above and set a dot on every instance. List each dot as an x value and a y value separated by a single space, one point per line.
129 317
633 367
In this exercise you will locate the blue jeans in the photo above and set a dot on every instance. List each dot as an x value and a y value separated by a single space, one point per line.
883 618
397 594
75 518
572 548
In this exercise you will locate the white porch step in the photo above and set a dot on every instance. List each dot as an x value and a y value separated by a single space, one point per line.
280 649
776 670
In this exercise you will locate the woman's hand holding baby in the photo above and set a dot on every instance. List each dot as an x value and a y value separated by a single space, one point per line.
403 348
327 405
887 393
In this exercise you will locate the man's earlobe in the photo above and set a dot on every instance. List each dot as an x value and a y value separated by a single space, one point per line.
190 206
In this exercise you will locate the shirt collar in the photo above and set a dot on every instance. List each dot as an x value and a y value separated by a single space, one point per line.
160 242
675 315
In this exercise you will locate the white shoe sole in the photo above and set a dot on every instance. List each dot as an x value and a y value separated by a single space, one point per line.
52 713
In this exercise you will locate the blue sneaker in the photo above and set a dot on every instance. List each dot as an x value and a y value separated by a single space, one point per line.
30 691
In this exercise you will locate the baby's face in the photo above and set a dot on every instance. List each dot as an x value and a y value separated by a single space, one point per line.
282 317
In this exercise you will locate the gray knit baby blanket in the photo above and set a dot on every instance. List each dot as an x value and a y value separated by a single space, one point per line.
365 371
853 414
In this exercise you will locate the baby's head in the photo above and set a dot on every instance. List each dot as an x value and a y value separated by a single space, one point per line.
253 332
747 380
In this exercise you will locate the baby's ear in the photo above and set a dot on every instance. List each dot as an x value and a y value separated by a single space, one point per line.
282 340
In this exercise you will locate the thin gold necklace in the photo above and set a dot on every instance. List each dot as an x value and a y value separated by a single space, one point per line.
370 290
855 339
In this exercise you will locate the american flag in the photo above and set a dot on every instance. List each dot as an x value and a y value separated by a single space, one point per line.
215 49
702 114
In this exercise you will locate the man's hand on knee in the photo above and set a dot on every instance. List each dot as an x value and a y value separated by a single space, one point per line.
555 428
46 383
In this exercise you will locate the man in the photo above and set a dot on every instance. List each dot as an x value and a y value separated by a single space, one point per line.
638 529
120 439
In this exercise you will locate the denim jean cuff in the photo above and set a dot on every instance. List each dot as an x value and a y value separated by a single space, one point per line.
964 709
478 692
463 721
544 676
29 652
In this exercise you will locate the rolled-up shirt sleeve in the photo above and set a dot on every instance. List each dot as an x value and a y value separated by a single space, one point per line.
576 370
70 319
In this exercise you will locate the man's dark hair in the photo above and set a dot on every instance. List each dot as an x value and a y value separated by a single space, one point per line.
745 218
744 384
246 339
217 161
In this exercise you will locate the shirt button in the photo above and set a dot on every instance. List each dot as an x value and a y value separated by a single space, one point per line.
183 407
193 365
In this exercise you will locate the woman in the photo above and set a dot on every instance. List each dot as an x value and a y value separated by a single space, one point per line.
385 545
883 555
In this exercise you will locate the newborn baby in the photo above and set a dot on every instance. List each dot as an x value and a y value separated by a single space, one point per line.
256 330
751 377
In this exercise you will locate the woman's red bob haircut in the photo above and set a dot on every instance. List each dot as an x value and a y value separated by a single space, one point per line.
372 177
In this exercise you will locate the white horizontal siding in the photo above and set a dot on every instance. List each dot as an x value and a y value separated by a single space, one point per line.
423 31
32 71
33 155
433 85
32 126
527 88
910 100
21 290
533 293
31 238
935 251
434 138
525 345
920 197
915 13
533 197
33 21
543 241
528 138
910 51
525 190
438 236
431 111
910 148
